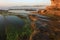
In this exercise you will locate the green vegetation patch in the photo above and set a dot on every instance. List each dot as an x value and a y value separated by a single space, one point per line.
18 34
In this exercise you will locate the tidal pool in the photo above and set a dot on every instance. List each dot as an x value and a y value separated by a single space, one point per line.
10 26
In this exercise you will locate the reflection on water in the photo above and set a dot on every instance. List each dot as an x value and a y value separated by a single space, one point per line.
14 20
11 22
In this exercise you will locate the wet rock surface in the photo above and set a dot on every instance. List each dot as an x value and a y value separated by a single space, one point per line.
44 28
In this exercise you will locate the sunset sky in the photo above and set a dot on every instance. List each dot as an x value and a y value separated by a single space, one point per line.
23 2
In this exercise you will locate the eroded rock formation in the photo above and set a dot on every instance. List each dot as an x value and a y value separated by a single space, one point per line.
44 29
53 9
55 3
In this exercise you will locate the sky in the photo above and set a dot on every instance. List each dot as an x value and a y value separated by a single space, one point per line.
23 2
